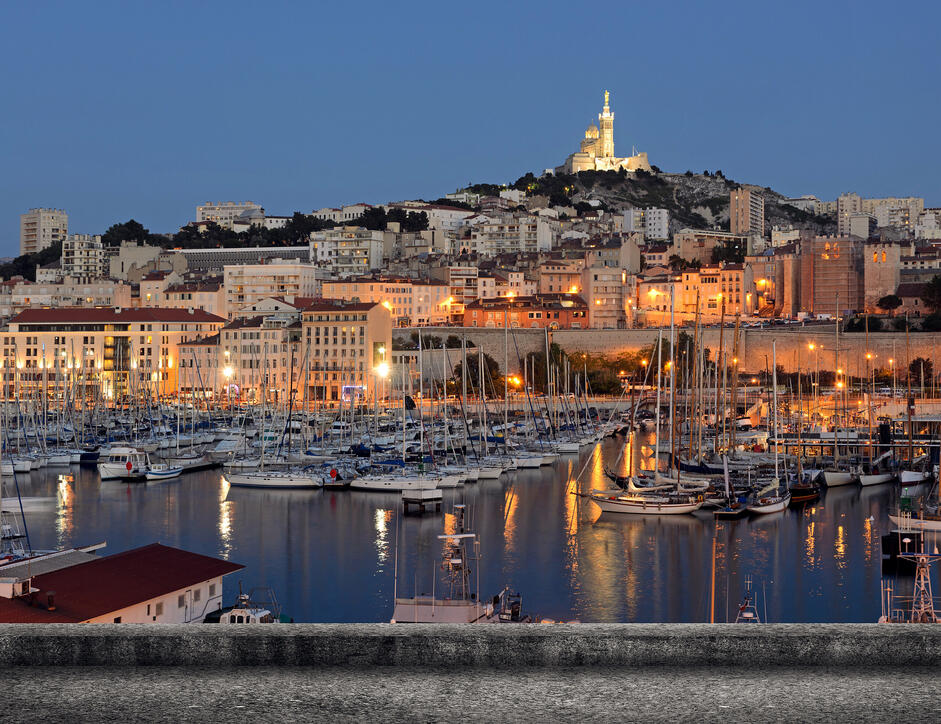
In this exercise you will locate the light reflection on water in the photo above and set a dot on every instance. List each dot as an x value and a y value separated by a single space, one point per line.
330 555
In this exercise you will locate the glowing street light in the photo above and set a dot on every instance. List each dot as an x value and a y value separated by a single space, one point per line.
227 373
382 369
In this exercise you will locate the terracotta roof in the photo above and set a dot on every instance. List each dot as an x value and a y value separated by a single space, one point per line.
111 314
99 587
339 306
910 289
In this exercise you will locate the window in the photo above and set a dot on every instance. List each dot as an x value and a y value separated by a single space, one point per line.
212 590
117 619
180 601
158 609
196 594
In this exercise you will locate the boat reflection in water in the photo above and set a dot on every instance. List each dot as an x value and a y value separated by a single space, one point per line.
331 554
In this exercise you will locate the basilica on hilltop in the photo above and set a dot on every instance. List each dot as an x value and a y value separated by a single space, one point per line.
597 150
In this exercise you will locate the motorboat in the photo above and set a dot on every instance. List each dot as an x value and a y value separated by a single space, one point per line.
123 463
162 471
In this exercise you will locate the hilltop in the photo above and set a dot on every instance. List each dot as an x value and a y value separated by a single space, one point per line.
694 200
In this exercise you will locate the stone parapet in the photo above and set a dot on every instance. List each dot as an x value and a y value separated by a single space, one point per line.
493 646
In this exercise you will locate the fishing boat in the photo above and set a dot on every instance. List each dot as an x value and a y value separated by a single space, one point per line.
162 471
123 463
458 603
748 608
250 608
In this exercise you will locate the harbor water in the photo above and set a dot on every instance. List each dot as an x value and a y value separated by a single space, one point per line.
332 555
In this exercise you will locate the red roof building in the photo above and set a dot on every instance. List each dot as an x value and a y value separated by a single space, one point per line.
152 584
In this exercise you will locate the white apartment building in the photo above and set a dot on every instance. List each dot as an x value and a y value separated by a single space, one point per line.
347 250
83 257
41 228
226 212
902 213
410 302
513 234
249 283
653 223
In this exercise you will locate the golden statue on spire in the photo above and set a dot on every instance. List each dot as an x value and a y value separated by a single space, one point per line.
606 97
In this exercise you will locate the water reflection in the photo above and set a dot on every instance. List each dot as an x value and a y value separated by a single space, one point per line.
331 555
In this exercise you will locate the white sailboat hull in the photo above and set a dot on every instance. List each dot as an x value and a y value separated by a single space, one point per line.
913 476
876 479
285 481
392 483
768 508
834 478
637 506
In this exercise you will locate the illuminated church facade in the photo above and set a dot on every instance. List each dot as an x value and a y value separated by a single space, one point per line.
597 149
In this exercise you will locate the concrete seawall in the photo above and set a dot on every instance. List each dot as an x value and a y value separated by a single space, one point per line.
497 646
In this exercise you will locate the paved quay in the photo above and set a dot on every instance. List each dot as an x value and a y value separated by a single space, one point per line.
262 694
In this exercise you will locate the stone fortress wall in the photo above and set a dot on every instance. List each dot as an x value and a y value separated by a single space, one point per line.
755 345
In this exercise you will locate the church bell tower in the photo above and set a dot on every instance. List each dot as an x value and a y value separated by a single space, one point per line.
606 128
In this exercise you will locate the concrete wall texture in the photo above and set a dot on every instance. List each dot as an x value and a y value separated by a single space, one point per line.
755 345
500 646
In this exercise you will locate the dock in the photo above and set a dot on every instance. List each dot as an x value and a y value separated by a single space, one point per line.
422 498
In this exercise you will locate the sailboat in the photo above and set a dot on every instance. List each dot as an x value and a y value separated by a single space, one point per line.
770 499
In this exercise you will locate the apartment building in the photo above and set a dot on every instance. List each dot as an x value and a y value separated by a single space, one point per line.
561 276
653 223
41 228
347 250
111 351
602 288
746 212
83 257
552 311
513 234
248 283
715 283
410 302
698 244
348 348
70 292
206 295
259 358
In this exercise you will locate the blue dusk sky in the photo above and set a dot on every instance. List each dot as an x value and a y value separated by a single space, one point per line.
114 110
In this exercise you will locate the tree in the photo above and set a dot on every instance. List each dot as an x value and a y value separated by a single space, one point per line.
918 367
889 302
128 231
728 251
454 342
931 323
931 295
491 374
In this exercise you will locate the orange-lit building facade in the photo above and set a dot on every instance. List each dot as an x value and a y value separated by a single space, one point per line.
553 311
